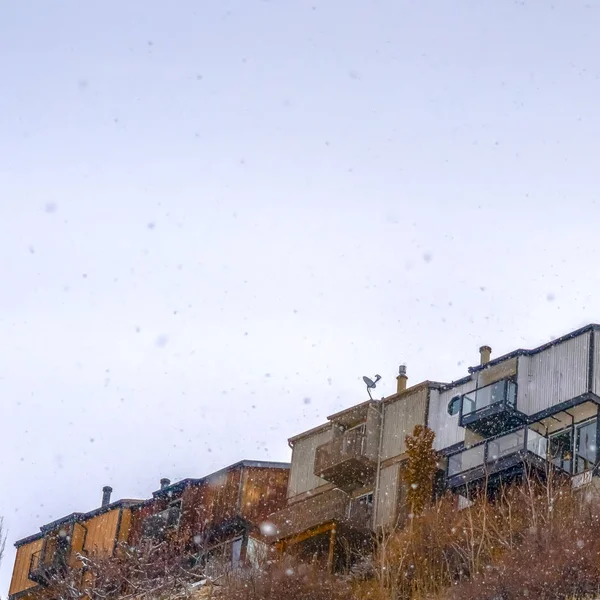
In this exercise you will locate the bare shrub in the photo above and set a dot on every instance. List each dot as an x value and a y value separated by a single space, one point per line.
286 581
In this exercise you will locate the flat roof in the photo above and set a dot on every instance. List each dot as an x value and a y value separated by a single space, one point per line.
527 352
255 464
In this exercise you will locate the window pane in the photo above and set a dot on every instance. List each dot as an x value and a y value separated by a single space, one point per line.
585 452
506 445
537 443
465 460
561 450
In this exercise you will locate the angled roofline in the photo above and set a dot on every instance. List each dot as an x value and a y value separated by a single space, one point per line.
529 352
345 411
183 483
396 396
317 429
436 385
77 517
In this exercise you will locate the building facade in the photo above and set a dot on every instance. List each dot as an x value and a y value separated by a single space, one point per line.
55 554
214 521
529 411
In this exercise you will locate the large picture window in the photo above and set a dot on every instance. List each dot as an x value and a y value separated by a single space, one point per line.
580 451
585 446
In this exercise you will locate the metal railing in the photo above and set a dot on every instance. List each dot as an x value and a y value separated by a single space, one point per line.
502 392
300 516
488 452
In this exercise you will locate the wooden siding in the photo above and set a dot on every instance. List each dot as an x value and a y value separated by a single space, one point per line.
20 578
205 505
554 375
400 418
264 492
243 493
78 536
123 533
101 533
302 474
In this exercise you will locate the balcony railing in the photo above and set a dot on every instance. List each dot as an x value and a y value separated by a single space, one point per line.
487 454
347 459
43 567
333 505
491 409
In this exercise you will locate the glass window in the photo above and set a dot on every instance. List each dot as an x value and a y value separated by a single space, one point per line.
585 446
468 459
496 393
537 443
454 406
561 449
506 445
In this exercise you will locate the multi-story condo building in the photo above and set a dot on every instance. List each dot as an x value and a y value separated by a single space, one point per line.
528 410
56 551
214 521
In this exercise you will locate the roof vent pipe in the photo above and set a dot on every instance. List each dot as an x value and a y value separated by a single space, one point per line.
164 482
485 352
106 492
401 379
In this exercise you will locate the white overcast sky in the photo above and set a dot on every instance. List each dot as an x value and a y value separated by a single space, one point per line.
215 217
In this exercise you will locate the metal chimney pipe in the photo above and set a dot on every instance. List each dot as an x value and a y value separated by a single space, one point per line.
401 379
106 492
485 353
164 482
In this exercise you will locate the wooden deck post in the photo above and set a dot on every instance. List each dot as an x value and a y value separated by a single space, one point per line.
331 550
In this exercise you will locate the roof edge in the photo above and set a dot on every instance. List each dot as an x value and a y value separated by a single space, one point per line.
529 352
255 464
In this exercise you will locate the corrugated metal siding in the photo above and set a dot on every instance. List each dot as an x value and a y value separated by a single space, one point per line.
596 385
445 426
387 499
400 419
302 476
553 376
20 578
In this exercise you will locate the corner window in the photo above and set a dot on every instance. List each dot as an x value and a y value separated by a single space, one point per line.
561 449
585 446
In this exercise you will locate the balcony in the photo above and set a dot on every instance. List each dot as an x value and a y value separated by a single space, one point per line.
45 571
491 410
332 506
348 460
507 455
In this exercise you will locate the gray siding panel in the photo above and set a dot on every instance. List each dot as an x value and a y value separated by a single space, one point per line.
555 375
400 419
445 426
387 499
302 476
596 382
